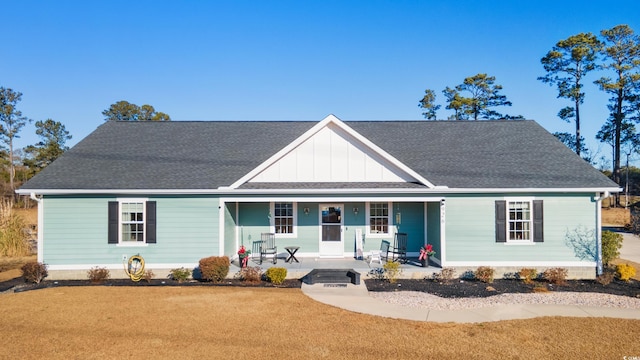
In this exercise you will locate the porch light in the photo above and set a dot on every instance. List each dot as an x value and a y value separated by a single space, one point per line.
355 211
306 211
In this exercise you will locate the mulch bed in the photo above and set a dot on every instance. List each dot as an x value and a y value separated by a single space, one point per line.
19 285
454 289
474 288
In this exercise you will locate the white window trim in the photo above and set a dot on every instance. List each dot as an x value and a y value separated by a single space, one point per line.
390 226
519 242
142 243
272 220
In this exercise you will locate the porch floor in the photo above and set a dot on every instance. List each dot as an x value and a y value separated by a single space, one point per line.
410 270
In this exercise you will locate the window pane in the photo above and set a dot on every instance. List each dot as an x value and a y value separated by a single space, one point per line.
132 221
519 220
379 218
283 217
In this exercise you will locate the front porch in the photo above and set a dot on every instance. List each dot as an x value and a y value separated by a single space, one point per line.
410 270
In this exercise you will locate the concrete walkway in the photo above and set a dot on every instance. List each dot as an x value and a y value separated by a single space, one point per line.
356 298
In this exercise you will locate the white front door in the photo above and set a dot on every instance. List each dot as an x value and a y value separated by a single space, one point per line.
331 239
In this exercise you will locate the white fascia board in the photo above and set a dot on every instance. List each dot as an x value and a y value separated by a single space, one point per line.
309 133
229 191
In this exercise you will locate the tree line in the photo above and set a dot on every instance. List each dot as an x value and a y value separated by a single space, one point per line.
19 165
614 53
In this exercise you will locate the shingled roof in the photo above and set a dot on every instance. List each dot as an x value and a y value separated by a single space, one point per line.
188 155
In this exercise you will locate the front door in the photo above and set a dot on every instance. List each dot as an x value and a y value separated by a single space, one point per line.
331 239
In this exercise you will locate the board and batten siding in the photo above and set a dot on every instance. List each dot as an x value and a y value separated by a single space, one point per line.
470 229
75 231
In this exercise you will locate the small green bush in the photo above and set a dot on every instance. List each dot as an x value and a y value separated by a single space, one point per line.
625 272
251 274
556 276
98 274
180 274
276 275
214 268
392 271
34 272
484 274
527 275
611 244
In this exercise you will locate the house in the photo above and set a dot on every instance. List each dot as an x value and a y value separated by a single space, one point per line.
504 194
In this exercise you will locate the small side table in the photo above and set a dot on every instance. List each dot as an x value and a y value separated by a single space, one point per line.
292 253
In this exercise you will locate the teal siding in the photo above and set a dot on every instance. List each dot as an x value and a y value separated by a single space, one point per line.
230 220
470 229
412 223
75 231
433 227
253 221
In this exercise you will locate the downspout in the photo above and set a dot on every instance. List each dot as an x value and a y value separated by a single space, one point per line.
37 199
598 199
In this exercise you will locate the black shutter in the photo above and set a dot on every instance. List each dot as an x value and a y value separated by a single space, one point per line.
151 222
112 237
501 221
538 229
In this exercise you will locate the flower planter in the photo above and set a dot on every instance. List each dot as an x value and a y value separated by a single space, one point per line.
425 262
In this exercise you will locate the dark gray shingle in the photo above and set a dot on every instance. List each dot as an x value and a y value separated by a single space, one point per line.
207 155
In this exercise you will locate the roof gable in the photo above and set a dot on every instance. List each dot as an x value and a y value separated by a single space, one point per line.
332 152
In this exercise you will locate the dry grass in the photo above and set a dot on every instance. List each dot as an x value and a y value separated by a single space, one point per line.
10 266
615 216
242 323
30 216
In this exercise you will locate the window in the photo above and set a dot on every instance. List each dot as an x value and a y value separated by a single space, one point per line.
132 222
284 219
379 219
519 221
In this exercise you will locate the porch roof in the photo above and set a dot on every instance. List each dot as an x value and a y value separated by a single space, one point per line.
332 185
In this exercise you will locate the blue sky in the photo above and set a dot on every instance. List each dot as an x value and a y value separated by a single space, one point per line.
289 60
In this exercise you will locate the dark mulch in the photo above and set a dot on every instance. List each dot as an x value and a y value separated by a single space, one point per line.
474 288
19 285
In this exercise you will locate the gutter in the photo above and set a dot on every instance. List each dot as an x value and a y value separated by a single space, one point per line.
228 191
598 199
38 199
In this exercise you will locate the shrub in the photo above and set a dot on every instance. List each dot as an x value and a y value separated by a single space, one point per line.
180 274
625 272
557 276
276 275
251 274
484 274
527 275
98 274
606 278
214 268
34 272
445 275
392 271
377 273
611 244
148 275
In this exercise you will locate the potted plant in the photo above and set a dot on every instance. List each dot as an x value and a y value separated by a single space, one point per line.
425 252
243 255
